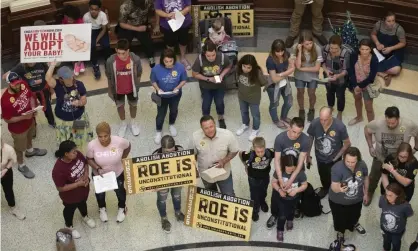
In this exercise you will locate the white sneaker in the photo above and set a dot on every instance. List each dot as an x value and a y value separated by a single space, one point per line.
75 233
103 214
90 222
122 129
157 138
253 134
14 211
121 215
242 129
135 129
173 131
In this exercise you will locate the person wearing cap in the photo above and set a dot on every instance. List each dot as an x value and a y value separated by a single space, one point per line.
17 102
72 121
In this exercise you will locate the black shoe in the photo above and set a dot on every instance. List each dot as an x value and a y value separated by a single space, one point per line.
179 216
255 217
360 229
311 115
414 246
96 72
222 123
166 225
271 222
298 215
302 114
321 39
289 41
264 207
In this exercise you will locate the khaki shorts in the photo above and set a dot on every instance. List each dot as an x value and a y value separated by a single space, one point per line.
21 140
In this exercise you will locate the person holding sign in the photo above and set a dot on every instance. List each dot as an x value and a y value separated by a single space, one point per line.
288 198
104 155
71 177
215 148
169 145
168 78
257 165
17 110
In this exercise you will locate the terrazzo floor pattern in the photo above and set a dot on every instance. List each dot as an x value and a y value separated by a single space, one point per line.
141 230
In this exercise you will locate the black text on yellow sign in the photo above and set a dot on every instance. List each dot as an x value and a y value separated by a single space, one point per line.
218 212
241 15
160 171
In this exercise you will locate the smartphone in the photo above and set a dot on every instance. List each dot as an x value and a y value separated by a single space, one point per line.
217 79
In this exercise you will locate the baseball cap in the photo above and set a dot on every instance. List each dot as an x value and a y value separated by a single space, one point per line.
65 72
13 78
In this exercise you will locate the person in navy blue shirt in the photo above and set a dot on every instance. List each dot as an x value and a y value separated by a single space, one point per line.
168 78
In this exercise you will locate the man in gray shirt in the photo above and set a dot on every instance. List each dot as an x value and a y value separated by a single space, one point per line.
331 141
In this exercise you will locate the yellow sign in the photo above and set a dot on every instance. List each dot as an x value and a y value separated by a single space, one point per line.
241 15
158 171
218 212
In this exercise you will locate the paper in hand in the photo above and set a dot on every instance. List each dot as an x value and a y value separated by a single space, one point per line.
379 56
176 23
217 79
106 183
38 108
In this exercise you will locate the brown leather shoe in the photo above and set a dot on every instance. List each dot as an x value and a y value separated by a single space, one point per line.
289 41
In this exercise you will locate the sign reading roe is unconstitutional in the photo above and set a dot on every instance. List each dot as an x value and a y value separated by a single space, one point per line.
163 170
241 15
63 43
218 212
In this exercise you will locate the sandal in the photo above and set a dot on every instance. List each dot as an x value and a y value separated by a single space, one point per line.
280 124
388 79
355 121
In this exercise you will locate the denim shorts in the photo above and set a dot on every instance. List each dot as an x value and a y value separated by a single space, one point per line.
304 84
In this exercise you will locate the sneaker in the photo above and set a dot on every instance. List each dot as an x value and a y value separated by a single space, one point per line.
90 222
103 214
414 246
14 211
76 69
157 139
340 237
289 225
289 41
360 229
96 71
280 236
253 134
82 67
255 217
179 216
122 129
151 62
135 129
26 172
75 233
121 215
321 39
173 131
241 130
222 123
302 114
298 215
264 207
311 114
36 152
166 225
271 222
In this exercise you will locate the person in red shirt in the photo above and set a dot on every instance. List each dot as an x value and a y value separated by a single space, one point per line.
71 177
16 102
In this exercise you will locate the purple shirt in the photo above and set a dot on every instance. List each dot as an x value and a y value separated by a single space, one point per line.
169 6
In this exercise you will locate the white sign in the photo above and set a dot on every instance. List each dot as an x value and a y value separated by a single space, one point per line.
106 182
63 43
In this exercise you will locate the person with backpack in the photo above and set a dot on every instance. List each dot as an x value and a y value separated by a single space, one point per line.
336 62
250 80
288 196
169 145
395 212
308 59
389 38
348 191
257 166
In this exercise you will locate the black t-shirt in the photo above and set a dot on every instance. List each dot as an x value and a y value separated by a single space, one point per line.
406 170
258 167
34 76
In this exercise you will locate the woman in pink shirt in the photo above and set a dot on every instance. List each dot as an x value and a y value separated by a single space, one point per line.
104 155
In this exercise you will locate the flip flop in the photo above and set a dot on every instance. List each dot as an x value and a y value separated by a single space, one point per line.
354 121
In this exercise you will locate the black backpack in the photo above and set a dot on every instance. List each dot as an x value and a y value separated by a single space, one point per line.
311 203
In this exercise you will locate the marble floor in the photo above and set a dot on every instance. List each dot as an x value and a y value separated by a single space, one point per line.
141 230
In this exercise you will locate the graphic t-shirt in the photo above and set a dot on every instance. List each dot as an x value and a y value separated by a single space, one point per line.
409 171
388 140
300 178
108 157
286 146
303 75
131 14
168 78
393 217
65 96
123 76
355 182
336 65
69 173
258 167
329 143
34 76
271 65
248 91
210 69
13 105
96 23
169 6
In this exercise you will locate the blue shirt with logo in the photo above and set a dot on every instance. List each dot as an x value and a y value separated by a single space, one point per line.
168 78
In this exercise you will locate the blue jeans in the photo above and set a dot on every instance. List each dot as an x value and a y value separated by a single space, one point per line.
258 191
392 241
287 104
120 193
304 84
213 94
104 44
225 186
173 104
245 115
162 198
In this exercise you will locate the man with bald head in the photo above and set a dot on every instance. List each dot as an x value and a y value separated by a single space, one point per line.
331 140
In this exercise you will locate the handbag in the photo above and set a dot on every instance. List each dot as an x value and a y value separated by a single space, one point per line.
156 99
374 89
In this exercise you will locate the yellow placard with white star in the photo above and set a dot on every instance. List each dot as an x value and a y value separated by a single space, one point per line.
358 173
296 145
12 100
332 133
